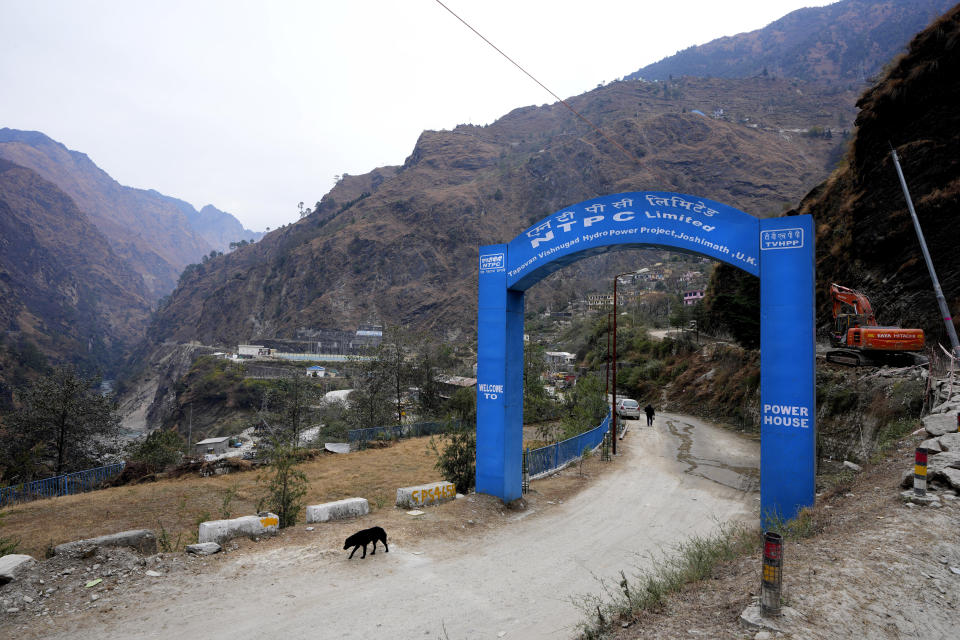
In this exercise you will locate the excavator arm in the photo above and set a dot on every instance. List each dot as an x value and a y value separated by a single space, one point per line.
861 304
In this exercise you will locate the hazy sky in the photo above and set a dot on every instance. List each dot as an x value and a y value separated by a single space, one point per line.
255 106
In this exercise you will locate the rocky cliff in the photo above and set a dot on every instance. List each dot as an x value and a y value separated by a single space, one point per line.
865 237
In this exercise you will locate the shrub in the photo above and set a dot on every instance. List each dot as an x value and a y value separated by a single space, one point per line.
456 460
286 485
161 449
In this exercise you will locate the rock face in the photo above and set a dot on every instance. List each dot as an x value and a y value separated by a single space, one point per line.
865 237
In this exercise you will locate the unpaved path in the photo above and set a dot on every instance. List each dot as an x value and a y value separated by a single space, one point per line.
517 580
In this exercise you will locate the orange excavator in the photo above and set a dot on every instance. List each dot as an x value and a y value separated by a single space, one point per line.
858 338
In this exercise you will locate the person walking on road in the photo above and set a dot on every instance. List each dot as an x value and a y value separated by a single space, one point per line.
650 413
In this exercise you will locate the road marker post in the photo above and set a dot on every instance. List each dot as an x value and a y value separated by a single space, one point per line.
920 472
772 581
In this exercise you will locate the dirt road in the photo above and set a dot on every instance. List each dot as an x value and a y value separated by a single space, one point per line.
680 477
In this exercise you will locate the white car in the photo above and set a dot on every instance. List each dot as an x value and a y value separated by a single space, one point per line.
627 408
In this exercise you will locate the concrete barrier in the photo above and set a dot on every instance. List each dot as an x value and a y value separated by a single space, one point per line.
143 540
339 510
220 531
426 494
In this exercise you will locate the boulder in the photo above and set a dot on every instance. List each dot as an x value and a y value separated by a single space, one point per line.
204 548
852 465
220 531
938 424
946 407
949 442
951 477
942 461
339 510
907 481
142 540
932 445
944 467
12 565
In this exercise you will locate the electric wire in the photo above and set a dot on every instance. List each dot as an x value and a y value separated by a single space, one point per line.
543 86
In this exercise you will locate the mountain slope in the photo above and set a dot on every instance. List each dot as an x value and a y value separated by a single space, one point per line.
865 237
157 235
400 245
846 41
219 228
62 286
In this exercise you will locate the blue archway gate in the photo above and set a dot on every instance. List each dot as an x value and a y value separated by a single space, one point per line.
778 250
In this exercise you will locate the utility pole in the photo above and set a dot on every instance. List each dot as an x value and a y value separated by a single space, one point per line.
613 418
190 431
941 301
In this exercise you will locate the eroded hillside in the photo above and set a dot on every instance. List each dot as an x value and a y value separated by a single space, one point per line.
400 244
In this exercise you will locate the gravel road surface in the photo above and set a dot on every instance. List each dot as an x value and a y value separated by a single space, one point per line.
680 477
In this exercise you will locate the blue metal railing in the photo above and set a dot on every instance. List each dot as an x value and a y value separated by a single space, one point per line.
402 431
554 456
70 483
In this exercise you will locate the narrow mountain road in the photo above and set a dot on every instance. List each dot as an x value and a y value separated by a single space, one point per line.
681 477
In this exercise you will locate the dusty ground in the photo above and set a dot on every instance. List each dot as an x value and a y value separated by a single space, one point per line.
468 569
472 569
876 569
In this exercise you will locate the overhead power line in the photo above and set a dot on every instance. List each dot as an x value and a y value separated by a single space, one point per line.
543 86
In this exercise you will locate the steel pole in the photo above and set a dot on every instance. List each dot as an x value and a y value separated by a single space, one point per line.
613 418
944 311
606 390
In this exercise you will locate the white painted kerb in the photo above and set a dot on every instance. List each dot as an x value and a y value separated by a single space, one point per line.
426 494
248 526
339 510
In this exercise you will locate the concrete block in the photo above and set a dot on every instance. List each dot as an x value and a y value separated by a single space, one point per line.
142 540
220 531
426 494
339 510
13 564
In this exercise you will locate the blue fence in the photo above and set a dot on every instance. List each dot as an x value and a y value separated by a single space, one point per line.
402 431
556 455
59 486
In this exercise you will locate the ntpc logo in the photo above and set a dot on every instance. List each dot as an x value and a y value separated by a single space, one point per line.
492 263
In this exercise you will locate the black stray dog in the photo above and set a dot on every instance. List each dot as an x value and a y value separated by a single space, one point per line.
365 537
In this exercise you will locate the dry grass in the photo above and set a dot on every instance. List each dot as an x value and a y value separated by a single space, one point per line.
177 505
